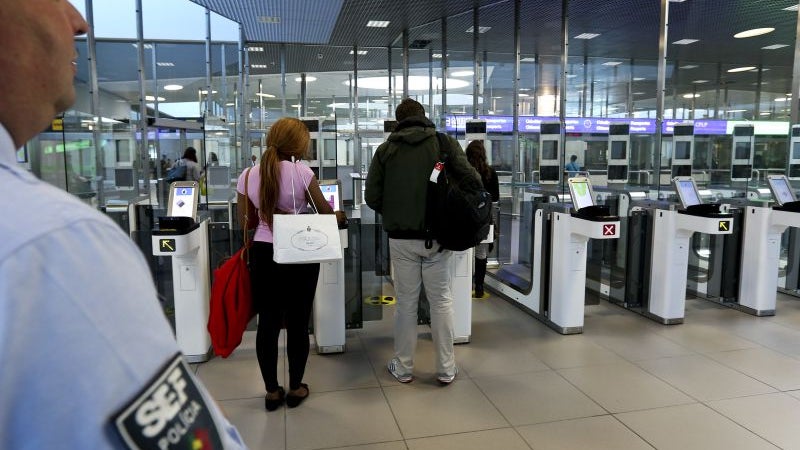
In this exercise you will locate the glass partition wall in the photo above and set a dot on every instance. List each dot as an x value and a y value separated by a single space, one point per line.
471 61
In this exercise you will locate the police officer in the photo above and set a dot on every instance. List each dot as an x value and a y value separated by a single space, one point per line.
89 360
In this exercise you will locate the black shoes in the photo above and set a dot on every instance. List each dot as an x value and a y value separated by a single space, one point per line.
273 403
295 400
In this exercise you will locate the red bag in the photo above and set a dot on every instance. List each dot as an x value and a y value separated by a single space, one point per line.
231 306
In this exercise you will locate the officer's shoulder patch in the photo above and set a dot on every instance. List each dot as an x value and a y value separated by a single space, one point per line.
168 413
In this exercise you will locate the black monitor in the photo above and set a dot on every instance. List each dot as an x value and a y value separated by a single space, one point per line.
125 178
549 150
742 150
683 150
618 172
618 150
549 173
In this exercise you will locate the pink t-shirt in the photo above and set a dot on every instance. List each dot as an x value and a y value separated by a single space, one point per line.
296 174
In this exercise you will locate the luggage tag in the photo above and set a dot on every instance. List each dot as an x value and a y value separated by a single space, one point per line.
437 169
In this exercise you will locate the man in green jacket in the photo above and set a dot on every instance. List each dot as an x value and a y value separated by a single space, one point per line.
396 187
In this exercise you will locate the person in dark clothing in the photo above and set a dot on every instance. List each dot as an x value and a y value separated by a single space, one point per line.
476 155
396 187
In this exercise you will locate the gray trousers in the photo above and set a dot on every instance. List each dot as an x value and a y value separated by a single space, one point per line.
412 267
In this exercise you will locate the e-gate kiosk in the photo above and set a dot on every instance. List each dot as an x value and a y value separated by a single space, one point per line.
184 239
558 289
329 299
743 150
550 164
672 232
682 150
761 246
619 140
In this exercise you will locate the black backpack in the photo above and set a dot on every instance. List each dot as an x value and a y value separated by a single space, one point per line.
457 213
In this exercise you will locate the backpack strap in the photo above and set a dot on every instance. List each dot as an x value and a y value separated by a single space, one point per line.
433 191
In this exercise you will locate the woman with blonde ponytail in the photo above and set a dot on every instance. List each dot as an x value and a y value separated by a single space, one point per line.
282 293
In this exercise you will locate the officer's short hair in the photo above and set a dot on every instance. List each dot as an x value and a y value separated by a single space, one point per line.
408 108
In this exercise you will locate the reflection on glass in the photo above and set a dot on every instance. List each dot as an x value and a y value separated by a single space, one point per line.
618 149
682 150
549 150
742 150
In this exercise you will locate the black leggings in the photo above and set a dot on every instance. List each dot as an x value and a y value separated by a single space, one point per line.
281 291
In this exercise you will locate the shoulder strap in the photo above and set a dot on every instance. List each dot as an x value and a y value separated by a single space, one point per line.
246 234
444 146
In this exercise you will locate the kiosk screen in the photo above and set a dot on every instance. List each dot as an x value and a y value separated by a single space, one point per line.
618 172
781 190
742 171
687 191
549 149
548 173
742 150
183 200
796 150
332 193
683 150
618 150
581 193
124 178
312 149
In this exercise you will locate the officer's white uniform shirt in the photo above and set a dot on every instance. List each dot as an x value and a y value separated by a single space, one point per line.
81 331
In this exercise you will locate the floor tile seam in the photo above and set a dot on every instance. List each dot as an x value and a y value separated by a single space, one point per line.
674 405
736 335
510 427
748 375
582 392
610 415
358 445
741 425
668 383
497 408
632 361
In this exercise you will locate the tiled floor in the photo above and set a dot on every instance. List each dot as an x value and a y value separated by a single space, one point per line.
722 380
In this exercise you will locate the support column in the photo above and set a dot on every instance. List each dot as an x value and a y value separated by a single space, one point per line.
661 85
143 158
94 90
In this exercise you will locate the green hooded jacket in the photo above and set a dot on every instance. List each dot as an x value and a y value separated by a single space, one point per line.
398 176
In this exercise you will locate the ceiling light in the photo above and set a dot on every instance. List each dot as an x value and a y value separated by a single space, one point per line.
571 75
587 36
523 95
481 30
774 46
612 63
524 89
258 66
378 23
269 19
437 55
741 69
462 73
736 111
415 83
638 93
753 32
146 46
295 105
782 99
173 87
497 97
265 95
691 95
205 92
677 1
360 52
528 59
150 98
230 104
639 79
165 64
685 41
765 113
255 49
308 79
791 8
689 66
700 81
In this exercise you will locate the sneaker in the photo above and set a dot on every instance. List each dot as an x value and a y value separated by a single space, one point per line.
394 366
447 379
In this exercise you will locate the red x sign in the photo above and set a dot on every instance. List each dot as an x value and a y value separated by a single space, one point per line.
610 229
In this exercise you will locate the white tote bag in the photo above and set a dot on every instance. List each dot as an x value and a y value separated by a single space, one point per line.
305 238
